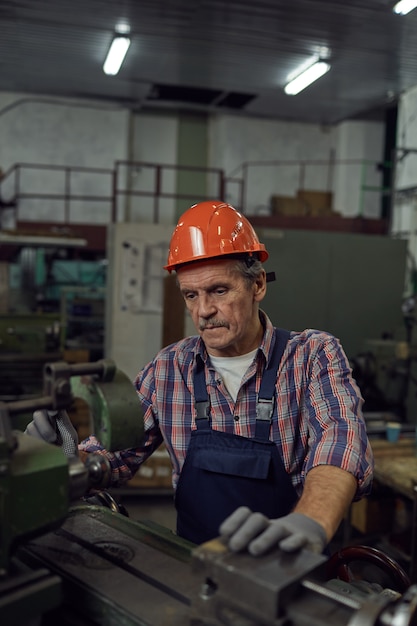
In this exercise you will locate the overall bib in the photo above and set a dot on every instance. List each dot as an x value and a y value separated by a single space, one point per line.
223 471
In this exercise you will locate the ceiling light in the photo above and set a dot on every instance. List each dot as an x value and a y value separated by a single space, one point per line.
116 54
404 6
306 77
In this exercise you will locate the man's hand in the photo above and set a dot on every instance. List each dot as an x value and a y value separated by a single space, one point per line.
244 529
54 427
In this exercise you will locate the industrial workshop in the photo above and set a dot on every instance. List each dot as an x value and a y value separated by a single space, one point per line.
208 306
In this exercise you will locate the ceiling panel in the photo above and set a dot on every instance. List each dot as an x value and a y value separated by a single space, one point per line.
241 50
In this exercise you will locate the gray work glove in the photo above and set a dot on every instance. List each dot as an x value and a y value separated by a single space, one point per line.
54 427
257 533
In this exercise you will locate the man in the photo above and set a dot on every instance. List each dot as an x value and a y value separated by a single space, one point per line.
263 426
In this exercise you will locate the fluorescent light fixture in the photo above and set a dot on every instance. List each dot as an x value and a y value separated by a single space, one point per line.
116 54
306 77
404 6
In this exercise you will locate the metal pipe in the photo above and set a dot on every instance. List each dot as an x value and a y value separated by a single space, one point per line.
67 194
104 368
34 404
158 180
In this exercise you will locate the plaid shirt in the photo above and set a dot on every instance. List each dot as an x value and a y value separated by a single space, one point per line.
319 407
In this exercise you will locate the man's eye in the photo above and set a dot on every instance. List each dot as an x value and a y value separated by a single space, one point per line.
189 296
220 291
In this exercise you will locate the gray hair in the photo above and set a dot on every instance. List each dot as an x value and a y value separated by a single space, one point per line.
249 268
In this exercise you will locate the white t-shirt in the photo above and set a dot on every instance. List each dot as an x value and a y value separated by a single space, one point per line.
232 369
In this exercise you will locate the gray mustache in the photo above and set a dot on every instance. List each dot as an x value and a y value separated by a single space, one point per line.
216 323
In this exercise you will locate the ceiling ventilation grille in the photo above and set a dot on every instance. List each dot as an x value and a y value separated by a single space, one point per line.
195 95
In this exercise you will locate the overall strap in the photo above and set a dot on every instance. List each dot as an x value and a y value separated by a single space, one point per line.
202 402
265 405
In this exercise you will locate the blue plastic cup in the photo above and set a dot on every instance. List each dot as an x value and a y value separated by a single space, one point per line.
393 430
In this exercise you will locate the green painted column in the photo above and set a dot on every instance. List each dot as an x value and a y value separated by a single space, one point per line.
191 152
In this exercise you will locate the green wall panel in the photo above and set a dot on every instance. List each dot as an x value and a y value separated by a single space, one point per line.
350 285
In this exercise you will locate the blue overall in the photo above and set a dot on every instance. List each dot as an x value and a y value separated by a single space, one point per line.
223 471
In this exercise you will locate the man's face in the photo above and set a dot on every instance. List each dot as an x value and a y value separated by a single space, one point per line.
223 306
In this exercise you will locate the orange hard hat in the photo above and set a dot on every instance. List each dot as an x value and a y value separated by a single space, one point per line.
212 229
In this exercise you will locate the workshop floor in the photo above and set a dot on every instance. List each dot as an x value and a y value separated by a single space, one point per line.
155 508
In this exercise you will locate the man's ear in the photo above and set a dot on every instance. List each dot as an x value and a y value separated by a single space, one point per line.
260 287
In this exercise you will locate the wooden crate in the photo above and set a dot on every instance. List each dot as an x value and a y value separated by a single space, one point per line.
155 473
374 514
316 203
287 206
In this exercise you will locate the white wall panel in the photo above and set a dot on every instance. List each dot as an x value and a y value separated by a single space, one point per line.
357 181
404 215
406 171
67 133
235 141
55 131
136 254
154 140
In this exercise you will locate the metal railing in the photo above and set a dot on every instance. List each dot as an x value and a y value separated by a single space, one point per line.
161 188
68 185
16 191
320 174
136 188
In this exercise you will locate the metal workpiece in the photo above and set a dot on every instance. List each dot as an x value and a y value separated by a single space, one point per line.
242 589
98 470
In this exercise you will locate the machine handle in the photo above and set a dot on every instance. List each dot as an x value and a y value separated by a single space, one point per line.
338 565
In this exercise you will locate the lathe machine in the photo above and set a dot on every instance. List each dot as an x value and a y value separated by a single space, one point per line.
70 557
